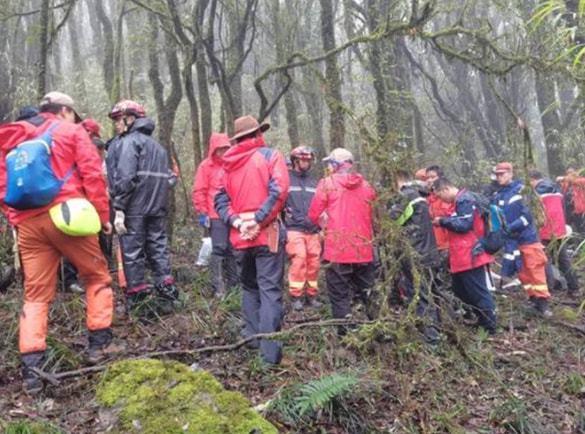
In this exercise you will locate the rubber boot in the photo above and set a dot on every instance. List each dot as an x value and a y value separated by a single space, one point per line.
31 383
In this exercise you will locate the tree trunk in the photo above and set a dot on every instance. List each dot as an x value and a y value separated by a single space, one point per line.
551 122
202 79
78 63
108 59
44 53
333 81
281 54
375 68
167 108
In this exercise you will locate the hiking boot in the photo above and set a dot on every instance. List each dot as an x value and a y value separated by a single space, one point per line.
99 341
168 290
314 303
141 305
297 304
31 383
541 306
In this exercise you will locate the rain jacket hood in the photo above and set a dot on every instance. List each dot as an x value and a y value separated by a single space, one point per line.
143 125
240 154
209 177
15 133
350 180
217 141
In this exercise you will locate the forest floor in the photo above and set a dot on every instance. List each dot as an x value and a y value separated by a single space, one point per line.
529 378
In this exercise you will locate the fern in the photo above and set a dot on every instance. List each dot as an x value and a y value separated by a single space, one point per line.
319 393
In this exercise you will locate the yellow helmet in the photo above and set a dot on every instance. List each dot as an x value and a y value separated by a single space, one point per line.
76 217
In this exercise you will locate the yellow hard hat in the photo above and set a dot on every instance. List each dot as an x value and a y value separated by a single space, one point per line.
76 217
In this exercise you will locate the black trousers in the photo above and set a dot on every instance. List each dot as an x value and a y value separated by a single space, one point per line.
261 274
472 288
145 242
222 264
343 280
557 251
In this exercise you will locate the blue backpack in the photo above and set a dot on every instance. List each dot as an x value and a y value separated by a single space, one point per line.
494 220
30 179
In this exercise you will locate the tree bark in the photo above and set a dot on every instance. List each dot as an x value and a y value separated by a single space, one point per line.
109 49
166 107
551 122
281 35
202 79
44 49
333 82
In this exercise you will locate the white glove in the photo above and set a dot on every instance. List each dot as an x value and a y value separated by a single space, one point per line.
119 223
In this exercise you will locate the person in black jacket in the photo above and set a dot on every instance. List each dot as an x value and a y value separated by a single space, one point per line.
139 180
411 211
303 241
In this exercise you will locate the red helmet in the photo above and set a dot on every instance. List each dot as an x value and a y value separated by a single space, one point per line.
302 153
127 107
91 126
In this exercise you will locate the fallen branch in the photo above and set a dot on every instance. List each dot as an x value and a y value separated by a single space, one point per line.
54 378
571 326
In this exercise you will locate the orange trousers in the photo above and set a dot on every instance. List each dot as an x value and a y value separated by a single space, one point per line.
41 247
533 274
304 252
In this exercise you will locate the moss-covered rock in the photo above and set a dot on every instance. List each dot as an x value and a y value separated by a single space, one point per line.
154 396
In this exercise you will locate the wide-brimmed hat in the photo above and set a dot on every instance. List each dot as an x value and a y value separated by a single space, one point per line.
247 125
60 98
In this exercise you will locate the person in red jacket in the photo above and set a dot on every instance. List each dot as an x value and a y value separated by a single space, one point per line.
469 267
255 188
573 188
554 230
438 208
347 200
75 160
208 181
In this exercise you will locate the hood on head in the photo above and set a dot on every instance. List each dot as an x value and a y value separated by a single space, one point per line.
143 125
217 141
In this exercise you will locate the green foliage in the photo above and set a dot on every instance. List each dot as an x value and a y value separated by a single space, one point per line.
154 396
26 427
301 403
574 384
565 30
320 393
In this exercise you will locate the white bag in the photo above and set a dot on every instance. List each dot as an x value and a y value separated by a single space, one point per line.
204 252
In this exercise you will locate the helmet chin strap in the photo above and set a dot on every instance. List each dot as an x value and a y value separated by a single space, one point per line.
298 166
126 123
